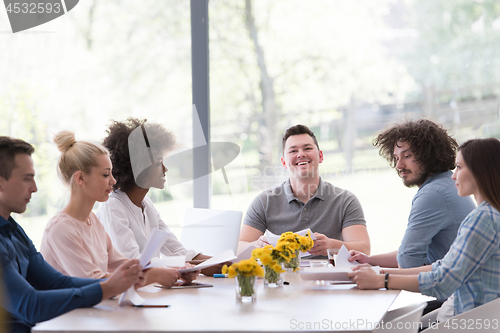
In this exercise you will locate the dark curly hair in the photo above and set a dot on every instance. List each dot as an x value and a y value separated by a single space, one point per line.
117 144
431 145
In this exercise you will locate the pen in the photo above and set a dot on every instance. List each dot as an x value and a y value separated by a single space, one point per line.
220 275
151 306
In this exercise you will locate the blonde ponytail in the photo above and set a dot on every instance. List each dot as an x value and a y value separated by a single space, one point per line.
75 155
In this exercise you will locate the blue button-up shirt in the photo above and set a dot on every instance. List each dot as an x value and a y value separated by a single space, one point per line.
436 214
35 291
471 269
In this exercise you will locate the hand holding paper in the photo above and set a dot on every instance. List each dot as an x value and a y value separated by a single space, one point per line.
273 239
227 255
127 274
337 273
152 248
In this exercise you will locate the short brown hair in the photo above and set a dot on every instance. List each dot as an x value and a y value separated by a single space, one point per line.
429 142
297 130
482 157
9 148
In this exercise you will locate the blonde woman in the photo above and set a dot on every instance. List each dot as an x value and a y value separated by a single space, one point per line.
74 241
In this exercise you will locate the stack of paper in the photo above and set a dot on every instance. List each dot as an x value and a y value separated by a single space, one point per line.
337 273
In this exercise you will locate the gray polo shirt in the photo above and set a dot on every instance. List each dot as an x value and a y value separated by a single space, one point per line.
328 212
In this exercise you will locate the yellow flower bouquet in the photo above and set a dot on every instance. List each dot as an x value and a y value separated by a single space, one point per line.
271 259
245 272
285 252
290 245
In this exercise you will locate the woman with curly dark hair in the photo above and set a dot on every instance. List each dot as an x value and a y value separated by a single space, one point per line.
137 149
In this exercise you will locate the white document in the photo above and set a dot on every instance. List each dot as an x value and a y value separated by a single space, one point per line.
337 273
273 239
130 297
169 261
245 254
224 256
342 259
152 248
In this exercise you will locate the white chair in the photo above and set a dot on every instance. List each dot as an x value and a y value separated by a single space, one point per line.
402 320
475 320
211 231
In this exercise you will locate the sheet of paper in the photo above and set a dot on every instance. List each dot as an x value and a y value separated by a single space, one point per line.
170 261
273 238
245 254
329 273
224 256
130 297
342 259
324 273
153 245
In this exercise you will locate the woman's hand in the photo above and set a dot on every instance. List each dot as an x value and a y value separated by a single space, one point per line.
366 278
125 276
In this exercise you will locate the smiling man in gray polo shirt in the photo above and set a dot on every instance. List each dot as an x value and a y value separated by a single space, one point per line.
306 201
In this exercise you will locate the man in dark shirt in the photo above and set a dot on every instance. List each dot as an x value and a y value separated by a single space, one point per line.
34 290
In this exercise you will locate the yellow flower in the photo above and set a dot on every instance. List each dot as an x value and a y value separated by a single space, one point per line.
256 253
277 268
248 267
259 271
231 272
266 260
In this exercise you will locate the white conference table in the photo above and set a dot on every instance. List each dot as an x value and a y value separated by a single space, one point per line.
304 306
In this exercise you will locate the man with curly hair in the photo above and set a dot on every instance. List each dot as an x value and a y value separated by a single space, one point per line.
423 155
129 216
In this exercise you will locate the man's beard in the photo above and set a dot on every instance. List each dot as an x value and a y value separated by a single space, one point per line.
417 180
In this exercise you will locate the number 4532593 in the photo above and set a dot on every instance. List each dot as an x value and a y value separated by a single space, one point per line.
33 8
472 324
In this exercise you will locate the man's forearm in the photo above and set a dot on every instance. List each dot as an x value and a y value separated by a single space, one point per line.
242 245
385 260
361 246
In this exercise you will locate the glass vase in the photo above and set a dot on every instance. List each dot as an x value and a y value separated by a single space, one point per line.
294 263
272 279
246 288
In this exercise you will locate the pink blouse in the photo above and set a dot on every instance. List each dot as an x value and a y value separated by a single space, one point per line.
79 249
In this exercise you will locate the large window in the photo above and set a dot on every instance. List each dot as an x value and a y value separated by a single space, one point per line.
103 60
344 68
